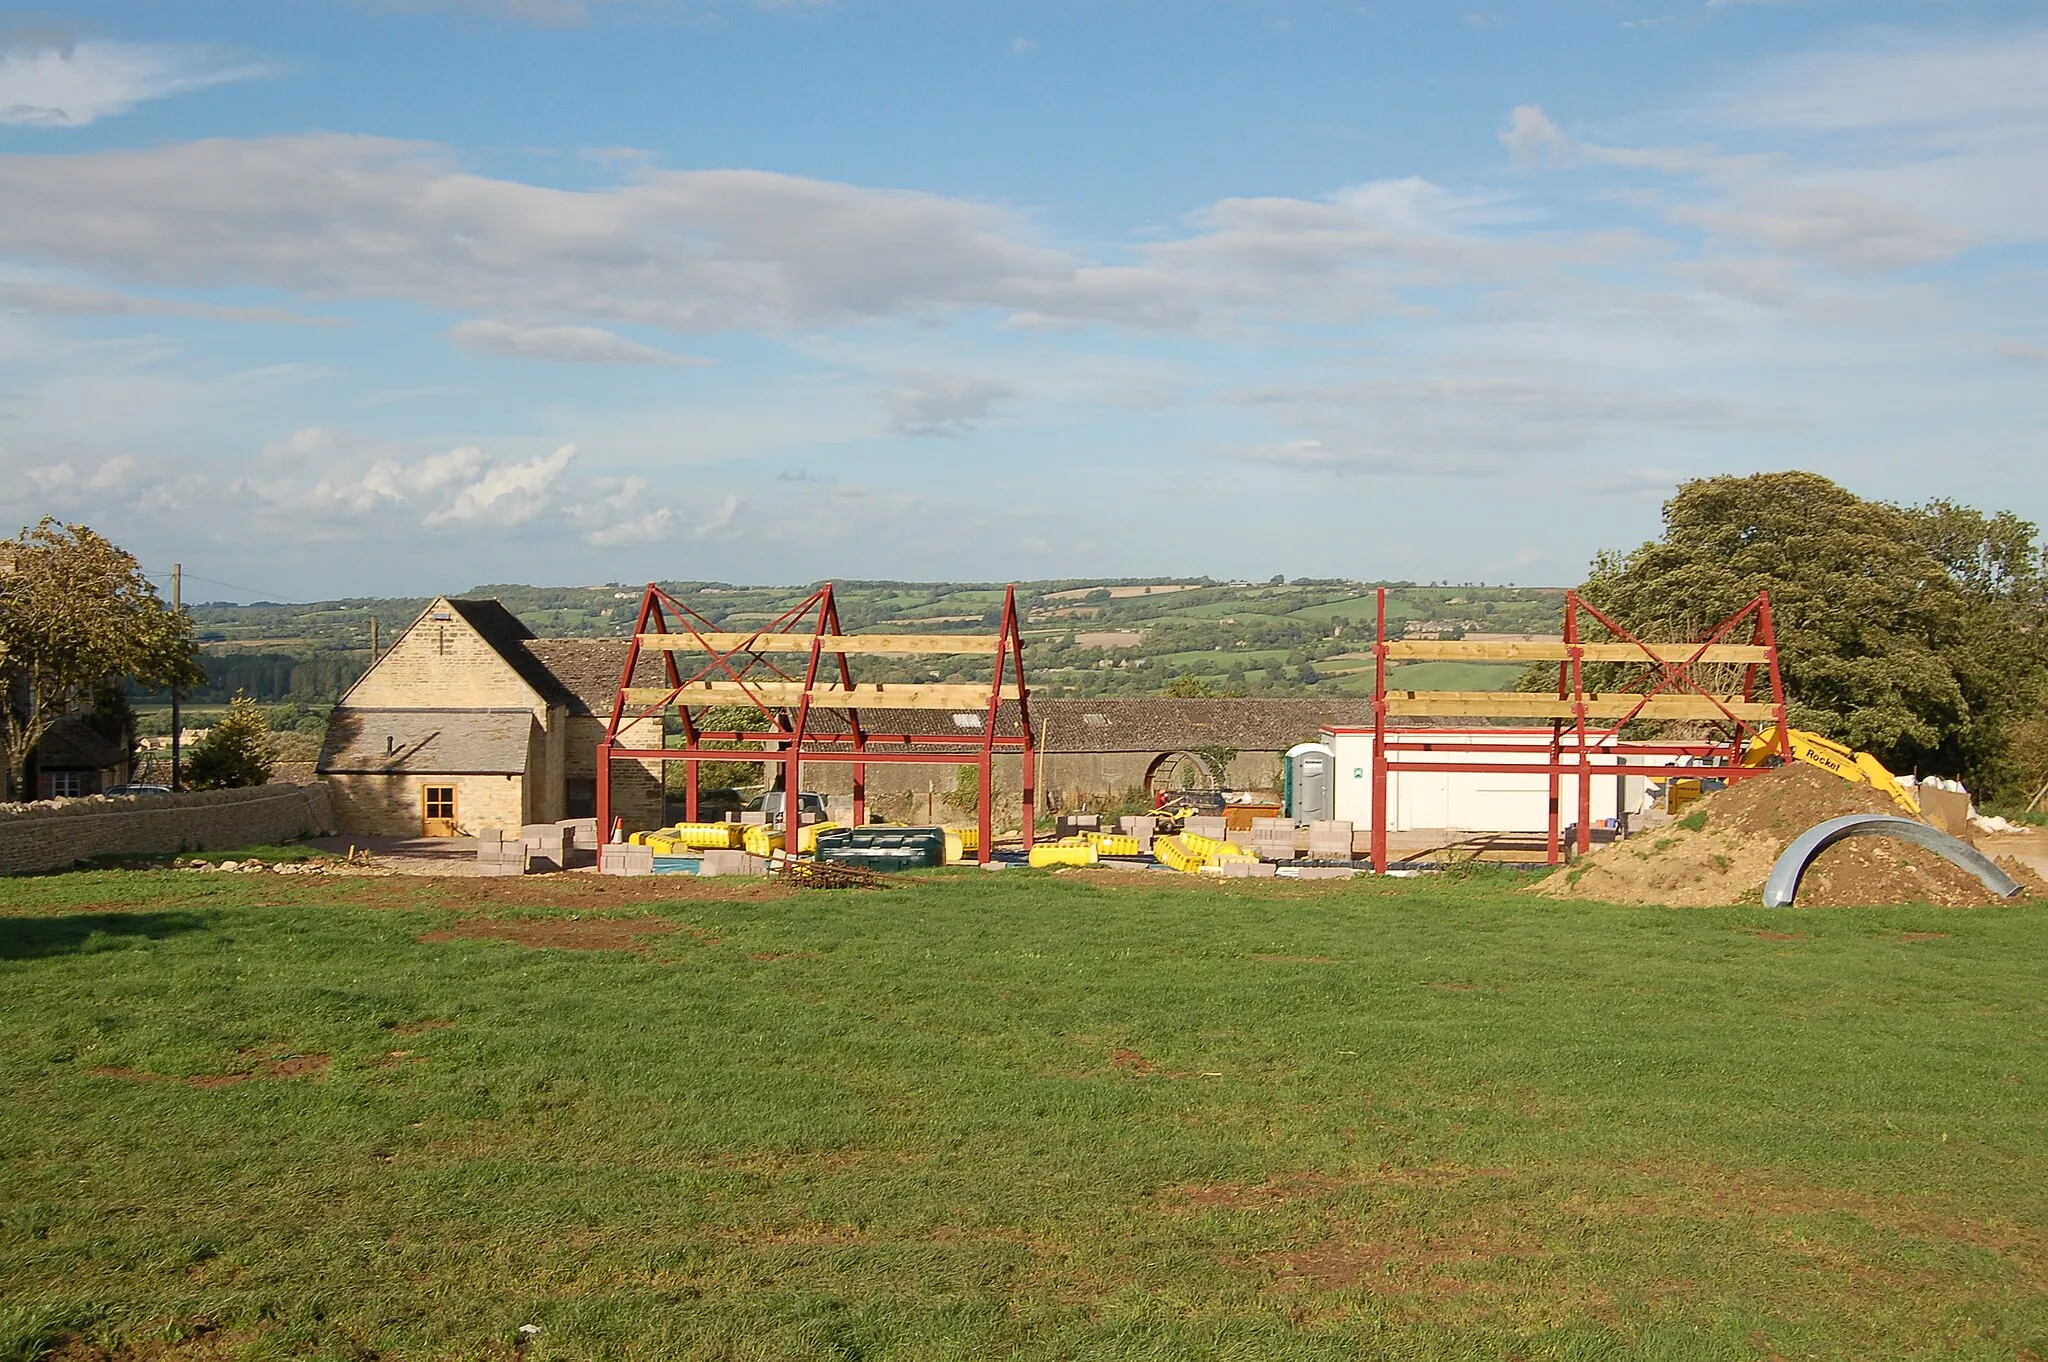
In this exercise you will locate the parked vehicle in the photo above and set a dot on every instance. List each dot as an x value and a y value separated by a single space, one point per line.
810 807
136 789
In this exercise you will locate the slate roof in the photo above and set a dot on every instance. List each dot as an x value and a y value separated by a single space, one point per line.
427 741
502 630
73 744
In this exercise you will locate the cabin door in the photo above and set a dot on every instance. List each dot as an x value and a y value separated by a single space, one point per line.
437 809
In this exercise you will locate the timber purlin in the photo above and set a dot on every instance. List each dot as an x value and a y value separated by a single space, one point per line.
1664 688
696 665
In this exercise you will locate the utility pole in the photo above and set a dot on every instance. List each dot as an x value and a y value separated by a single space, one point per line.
373 640
177 608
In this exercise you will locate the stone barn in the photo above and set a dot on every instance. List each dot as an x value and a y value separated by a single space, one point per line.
463 725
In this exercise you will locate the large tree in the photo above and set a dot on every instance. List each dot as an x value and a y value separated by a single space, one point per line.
76 614
1913 632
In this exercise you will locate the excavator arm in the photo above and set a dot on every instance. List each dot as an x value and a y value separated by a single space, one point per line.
1858 768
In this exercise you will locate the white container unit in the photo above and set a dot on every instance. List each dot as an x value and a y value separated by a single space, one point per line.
1463 801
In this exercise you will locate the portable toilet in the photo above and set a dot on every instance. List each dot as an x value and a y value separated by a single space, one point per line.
1311 793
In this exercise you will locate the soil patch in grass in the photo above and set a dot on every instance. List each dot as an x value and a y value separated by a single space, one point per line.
1721 854
561 933
1391 1266
284 1066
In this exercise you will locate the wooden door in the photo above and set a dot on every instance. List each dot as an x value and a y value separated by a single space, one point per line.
437 809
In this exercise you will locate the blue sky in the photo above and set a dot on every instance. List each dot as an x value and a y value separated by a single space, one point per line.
349 297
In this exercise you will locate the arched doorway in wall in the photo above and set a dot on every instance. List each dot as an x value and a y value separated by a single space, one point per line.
1171 771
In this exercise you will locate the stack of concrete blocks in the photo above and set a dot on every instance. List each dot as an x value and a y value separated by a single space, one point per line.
1247 870
579 842
623 858
1217 828
1273 839
1142 826
756 819
1329 839
497 856
1073 824
547 846
722 862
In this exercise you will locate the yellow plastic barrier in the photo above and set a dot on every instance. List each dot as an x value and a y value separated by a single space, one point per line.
807 837
1176 854
1211 849
1059 853
1112 843
660 845
715 836
762 840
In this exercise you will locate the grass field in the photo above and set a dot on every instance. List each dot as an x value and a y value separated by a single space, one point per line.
1074 1116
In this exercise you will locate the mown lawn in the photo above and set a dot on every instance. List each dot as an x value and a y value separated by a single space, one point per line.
981 1115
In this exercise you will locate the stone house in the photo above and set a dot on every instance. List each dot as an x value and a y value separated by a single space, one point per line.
75 758
464 724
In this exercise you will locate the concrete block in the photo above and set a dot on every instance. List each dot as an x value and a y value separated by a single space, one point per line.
500 868
1328 872
489 836
621 859
1330 839
1203 826
1137 825
726 862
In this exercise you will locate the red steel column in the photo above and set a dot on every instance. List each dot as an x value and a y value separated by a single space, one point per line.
1571 639
1379 735
1770 636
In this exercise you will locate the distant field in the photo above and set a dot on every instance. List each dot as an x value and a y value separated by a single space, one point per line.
1015 1115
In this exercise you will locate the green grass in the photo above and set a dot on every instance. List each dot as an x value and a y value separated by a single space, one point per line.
1026 1115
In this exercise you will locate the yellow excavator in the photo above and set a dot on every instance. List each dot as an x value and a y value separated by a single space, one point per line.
1858 768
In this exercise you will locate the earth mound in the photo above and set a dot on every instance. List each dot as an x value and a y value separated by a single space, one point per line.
1721 852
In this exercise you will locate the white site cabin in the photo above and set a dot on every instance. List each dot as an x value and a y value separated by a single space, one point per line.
1460 801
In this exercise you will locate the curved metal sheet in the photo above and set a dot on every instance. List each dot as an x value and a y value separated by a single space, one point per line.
1783 883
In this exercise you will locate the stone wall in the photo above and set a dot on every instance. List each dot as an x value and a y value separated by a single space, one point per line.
379 804
58 835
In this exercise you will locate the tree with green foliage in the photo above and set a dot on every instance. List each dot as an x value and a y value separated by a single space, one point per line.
77 617
1915 633
235 752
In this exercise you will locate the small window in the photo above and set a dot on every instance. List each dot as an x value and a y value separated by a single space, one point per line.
440 801
67 784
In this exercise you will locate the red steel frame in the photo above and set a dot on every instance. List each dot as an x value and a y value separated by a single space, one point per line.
1721 758
788 728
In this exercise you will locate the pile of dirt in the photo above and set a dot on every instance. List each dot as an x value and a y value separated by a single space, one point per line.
1722 851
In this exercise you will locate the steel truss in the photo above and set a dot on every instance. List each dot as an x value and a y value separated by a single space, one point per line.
702 666
1664 685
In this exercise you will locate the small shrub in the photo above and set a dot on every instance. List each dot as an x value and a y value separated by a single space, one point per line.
1695 821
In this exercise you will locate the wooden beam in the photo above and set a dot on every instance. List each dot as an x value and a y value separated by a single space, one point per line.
1476 704
978 644
886 695
1449 650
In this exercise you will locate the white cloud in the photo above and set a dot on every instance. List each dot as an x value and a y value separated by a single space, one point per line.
548 13
505 494
562 344
363 217
60 300
1022 47
1464 425
942 404
1899 81
341 484
69 85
